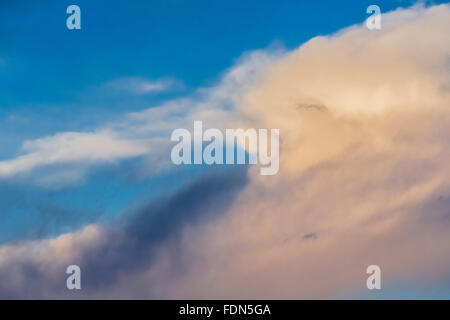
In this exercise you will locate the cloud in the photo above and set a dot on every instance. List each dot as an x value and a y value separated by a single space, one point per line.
366 170
72 147
20 263
110 252
145 133
138 86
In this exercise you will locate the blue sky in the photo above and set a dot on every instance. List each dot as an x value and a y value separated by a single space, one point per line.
55 80
193 41
51 74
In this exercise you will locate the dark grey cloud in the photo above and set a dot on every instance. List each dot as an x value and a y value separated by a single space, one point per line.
133 241
310 236
131 244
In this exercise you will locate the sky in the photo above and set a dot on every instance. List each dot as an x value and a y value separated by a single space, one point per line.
86 176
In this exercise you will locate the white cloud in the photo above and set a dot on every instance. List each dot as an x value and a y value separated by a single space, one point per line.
140 133
66 247
72 147
139 86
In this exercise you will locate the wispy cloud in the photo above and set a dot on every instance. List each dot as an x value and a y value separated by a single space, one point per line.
140 133
139 86
70 147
